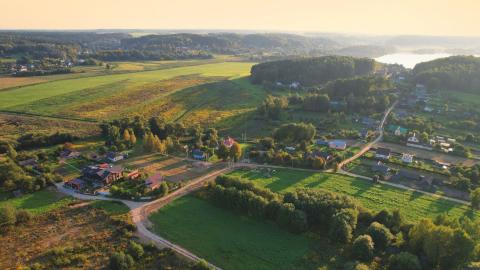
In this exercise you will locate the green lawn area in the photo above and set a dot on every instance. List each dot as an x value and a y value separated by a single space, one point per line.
111 207
413 205
228 240
39 202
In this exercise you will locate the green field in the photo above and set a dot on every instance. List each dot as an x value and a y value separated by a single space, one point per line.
413 205
25 95
111 207
39 202
228 240
202 93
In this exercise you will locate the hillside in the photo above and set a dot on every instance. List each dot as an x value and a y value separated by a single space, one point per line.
312 71
227 43
455 73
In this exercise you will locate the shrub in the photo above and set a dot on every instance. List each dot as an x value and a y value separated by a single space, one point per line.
404 261
136 250
201 265
120 261
340 231
362 248
23 216
381 235
8 216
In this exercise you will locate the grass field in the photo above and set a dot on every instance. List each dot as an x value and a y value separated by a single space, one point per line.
228 240
25 95
200 93
111 207
413 205
39 202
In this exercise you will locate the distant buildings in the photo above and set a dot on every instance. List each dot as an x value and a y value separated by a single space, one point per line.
381 168
198 154
407 158
338 145
154 182
115 156
382 153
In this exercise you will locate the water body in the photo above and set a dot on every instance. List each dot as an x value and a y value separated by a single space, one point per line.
409 60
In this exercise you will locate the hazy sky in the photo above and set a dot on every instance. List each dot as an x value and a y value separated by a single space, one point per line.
431 17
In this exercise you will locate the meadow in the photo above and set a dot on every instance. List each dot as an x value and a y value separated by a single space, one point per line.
376 197
39 202
207 93
228 240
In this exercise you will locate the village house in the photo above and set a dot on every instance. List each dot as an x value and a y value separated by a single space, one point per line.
381 168
294 85
133 175
325 155
338 145
115 156
413 139
76 184
198 154
407 158
290 149
102 175
397 130
383 153
154 182
68 154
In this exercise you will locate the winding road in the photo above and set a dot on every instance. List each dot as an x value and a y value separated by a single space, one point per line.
368 146
141 210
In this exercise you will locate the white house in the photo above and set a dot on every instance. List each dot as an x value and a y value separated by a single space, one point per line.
413 139
407 158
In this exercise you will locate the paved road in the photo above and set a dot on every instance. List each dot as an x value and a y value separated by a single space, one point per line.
367 147
141 210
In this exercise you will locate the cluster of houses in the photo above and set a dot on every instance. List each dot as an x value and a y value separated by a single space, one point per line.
201 155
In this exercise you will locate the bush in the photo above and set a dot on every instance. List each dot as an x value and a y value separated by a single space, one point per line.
404 261
8 216
362 248
120 261
381 235
340 231
201 265
136 250
23 216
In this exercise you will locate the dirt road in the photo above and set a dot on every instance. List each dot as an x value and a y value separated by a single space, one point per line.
369 145
141 210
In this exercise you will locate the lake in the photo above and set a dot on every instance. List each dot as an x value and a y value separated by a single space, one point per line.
409 60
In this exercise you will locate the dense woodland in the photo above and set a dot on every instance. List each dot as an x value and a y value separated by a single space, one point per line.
312 71
455 73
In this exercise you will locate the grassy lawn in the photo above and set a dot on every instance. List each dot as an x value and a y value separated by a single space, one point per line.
413 205
228 240
39 202
112 207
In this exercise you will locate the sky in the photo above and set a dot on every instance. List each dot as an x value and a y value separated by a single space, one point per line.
415 17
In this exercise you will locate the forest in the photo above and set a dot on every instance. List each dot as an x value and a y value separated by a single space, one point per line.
312 71
455 73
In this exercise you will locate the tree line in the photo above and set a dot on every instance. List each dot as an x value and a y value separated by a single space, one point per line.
385 237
